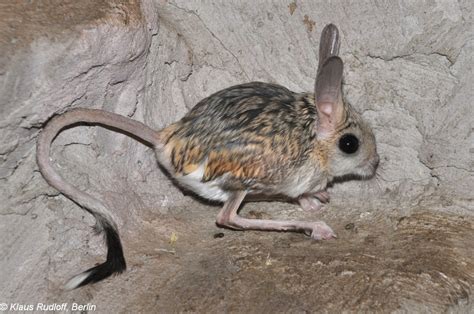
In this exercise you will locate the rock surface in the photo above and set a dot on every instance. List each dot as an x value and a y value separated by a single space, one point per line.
405 238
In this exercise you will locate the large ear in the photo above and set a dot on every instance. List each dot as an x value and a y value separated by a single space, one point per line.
328 96
329 44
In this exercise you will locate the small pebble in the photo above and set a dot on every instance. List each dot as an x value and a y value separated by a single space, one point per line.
350 226
218 235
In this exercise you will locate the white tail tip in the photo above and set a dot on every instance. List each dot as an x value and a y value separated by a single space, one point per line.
76 281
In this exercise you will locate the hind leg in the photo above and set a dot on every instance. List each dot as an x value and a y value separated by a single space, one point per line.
228 217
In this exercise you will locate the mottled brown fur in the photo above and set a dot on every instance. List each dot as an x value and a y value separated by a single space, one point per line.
254 133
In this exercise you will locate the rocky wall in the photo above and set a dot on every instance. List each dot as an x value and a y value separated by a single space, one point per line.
408 70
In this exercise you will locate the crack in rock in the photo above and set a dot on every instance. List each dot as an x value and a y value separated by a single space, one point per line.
215 37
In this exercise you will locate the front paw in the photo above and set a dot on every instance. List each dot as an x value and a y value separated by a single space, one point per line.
310 203
323 196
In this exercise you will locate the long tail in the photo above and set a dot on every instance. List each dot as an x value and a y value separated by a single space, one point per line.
115 262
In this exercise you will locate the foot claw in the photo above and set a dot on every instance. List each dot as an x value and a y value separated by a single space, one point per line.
323 196
321 231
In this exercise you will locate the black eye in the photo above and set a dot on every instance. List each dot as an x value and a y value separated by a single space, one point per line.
349 143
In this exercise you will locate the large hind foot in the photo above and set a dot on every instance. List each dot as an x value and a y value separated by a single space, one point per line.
321 231
228 217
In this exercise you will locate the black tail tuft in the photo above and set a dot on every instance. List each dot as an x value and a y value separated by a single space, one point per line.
115 263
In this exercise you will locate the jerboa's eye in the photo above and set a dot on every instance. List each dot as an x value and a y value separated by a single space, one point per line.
349 143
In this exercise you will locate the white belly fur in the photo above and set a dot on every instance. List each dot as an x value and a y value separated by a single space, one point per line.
209 190
305 180
302 181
